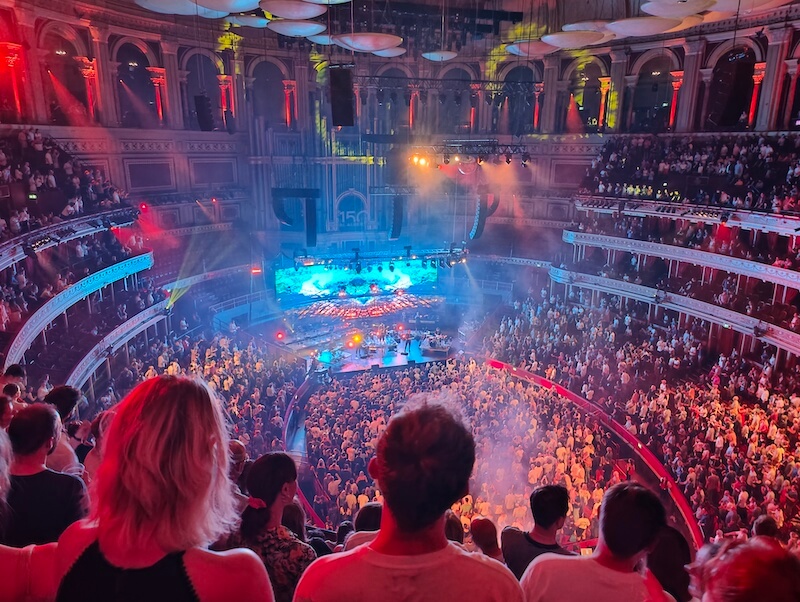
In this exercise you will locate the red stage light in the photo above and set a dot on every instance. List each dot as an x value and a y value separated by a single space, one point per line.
213 199
350 344
255 271
279 336
399 327
143 207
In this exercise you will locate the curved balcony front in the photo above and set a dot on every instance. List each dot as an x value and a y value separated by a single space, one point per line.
60 303
734 265
771 334
14 250
123 333
785 225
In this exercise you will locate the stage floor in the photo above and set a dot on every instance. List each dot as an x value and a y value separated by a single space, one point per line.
353 363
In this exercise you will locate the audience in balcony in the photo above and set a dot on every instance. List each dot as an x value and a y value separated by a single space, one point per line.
756 172
730 438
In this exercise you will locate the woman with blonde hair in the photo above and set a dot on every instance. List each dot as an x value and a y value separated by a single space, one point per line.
160 496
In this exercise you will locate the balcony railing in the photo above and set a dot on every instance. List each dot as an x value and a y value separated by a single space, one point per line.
784 224
137 324
60 303
774 335
734 265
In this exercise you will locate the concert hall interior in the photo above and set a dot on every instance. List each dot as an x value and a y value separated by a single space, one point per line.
507 286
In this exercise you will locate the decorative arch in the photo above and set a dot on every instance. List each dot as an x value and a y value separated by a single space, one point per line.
508 66
213 56
251 68
655 53
65 31
580 63
724 48
355 217
473 73
146 50
401 66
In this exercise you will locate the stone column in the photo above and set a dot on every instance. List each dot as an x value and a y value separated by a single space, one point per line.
708 76
791 71
169 51
538 88
226 94
630 90
11 57
33 100
159 79
605 86
89 73
758 78
551 74
302 87
289 89
106 72
677 81
187 104
688 97
239 86
616 96
774 73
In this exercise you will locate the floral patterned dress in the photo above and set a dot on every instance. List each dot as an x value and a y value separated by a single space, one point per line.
285 557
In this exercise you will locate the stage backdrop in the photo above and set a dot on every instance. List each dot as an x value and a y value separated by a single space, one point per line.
312 283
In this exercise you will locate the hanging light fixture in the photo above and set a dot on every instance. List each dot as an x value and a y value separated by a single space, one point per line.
529 48
690 21
295 28
367 41
643 26
180 7
572 39
585 26
675 10
248 21
323 39
229 6
442 55
390 52
292 9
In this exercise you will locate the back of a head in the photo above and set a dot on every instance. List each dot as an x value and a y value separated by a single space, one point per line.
548 504
343 530
484 533
453 530
368 517
631 517
765 525
294 519
64 399
667 560
11 389
32 427
15 372
424 461
265 480
164 474
758 569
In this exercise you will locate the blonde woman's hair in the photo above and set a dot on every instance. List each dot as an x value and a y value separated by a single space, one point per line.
164 473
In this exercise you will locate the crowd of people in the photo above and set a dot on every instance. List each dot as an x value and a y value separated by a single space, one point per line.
62 185
526 436
728 433
754 172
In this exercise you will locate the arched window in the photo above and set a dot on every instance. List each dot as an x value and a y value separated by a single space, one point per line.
64 84
652 97
454 103
351 215
520 100
268 96
731 90
201 80
137 95
583 109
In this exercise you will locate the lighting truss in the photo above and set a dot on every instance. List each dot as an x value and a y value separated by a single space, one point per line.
483 148
507 88
442 257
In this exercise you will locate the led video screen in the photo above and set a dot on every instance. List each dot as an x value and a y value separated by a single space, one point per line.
322 282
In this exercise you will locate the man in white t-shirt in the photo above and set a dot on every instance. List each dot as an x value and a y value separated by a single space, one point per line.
423 464
631 518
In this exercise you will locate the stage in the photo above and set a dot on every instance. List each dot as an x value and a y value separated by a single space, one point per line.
388 359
